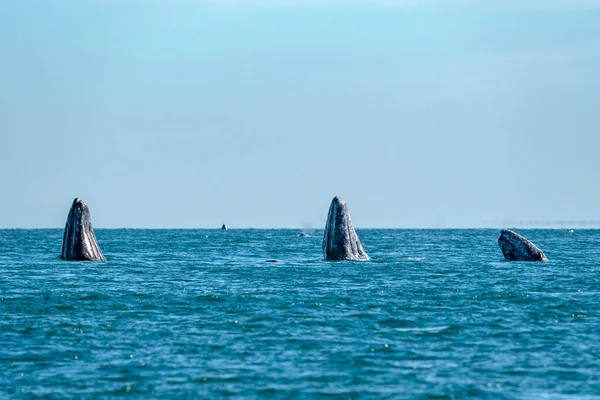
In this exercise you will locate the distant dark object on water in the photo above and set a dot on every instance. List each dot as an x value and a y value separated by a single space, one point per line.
224 227
516 248
303 234
79 241
271 261
340 241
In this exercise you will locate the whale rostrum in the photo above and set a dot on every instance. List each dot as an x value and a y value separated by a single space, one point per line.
516 248
340 241
79 241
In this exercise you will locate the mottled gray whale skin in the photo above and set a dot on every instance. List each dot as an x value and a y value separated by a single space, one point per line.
340 241
516 248
79 241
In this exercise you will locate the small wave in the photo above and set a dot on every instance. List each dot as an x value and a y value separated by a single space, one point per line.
431 329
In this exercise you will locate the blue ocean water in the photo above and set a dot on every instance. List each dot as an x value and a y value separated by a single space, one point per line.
200 314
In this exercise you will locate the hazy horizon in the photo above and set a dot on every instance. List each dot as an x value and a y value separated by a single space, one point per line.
581 225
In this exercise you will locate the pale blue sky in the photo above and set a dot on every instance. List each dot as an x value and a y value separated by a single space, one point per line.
163 113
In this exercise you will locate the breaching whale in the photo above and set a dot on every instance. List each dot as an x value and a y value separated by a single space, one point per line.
79 241
516 248
340 241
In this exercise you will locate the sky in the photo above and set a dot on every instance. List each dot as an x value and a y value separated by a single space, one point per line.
256 113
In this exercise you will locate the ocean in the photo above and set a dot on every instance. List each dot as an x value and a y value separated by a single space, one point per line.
178 314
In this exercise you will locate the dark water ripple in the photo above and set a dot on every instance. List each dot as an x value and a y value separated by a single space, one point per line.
199 313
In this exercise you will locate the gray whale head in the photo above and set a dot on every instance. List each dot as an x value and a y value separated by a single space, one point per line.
340 241
79 241
516 248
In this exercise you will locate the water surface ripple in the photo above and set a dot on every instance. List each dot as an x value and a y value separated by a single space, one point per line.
200 314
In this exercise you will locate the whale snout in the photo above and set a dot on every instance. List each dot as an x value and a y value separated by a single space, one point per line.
79 241
517 248
507 233
340 241
79 204
337 200
507 236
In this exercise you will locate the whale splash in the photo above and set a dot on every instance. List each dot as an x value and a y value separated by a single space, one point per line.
79 241
340 241
516 248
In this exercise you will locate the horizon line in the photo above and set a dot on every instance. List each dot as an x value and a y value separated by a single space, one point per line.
320 229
